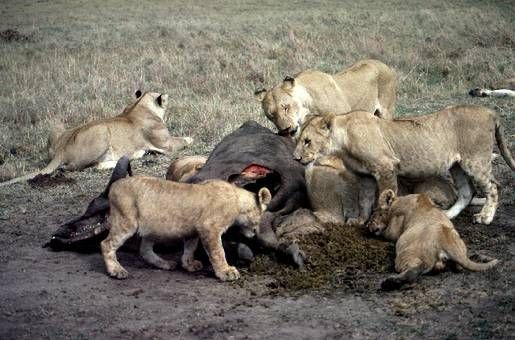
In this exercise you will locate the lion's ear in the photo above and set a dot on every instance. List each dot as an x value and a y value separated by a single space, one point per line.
138 93
288 83
264 198
386 199
327 121
162 100
260 94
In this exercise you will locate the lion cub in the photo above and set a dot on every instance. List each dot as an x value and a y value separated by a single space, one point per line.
425 237
157 208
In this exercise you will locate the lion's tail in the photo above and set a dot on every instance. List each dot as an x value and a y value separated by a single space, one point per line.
51 167
503 147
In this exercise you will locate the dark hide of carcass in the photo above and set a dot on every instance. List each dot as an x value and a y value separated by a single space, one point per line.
86 231
252 157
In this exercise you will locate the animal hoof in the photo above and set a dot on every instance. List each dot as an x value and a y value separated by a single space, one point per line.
390 284
230 274
120 274
193 266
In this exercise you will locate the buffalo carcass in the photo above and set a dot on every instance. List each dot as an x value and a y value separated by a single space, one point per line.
252 157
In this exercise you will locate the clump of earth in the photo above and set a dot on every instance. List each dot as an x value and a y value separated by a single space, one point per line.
341 257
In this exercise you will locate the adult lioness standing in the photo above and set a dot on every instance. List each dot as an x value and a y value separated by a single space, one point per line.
139 128
368 85
455 138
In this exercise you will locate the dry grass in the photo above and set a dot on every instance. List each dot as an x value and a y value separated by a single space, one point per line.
75 61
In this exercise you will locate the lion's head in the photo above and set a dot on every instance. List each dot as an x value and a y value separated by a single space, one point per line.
156 103
285 105
314 140
381 217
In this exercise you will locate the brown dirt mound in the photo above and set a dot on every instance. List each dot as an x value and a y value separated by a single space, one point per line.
43 181
343 257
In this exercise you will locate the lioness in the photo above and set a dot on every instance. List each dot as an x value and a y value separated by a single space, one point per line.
425 237
416 147
368 85
339 195
139 128
183 168
157 208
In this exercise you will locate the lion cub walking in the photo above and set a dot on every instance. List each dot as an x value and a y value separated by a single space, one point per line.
425 237
156 208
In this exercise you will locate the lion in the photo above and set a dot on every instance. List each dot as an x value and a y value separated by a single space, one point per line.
425 237
457 139
183 168
139 128
157 208
505 88
368 85
339 195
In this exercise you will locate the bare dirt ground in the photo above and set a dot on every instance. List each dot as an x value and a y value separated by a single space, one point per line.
73 61
54 295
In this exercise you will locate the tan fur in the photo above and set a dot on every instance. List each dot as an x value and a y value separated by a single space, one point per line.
368 85
101 143
340 196
157 208
425 238
416 147
183 168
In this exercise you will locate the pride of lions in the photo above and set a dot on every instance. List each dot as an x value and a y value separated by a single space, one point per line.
354 151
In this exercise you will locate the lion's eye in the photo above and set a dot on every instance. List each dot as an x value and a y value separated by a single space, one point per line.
285 107
307 141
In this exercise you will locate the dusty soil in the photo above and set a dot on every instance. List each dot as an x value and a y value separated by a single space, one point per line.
55 295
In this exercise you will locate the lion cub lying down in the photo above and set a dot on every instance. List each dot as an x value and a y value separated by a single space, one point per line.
157 208
425 237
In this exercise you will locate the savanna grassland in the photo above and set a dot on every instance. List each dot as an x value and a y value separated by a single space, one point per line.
72 61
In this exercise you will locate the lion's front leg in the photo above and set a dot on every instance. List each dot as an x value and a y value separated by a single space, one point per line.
163 142
211 239
188 260
385 177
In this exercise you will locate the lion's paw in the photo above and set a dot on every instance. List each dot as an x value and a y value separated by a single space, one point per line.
119 273
230 274
193 266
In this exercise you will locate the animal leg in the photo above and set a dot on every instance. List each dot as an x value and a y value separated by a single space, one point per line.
266 235
464 192
483 179
121 230
385 176
146 250
211 239
187 260
407 276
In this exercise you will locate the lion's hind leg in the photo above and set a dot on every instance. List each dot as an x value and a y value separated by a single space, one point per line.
409 275
146 251
481 175
465 192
